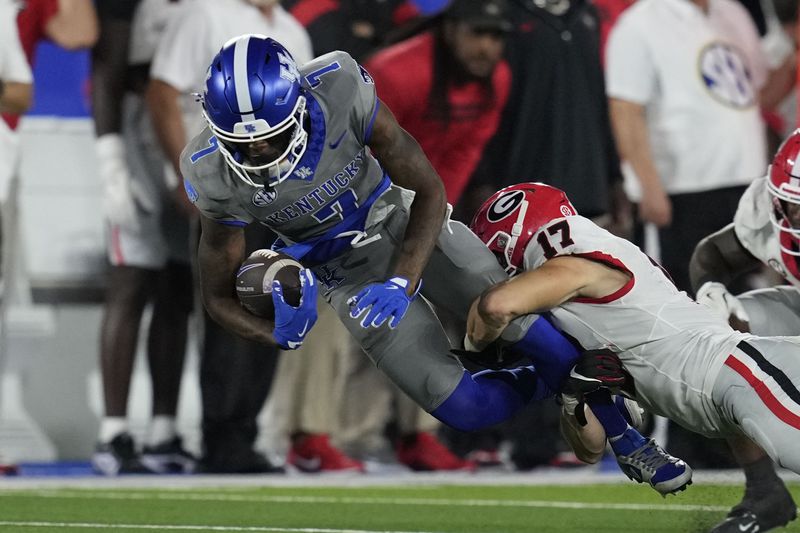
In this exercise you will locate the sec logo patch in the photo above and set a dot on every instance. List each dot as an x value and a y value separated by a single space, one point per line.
264 197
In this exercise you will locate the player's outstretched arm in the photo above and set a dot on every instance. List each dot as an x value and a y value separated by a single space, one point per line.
553 283
220 253
720 257
405 162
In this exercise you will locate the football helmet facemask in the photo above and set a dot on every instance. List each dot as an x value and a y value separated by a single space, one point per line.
254 105
783 183
509 219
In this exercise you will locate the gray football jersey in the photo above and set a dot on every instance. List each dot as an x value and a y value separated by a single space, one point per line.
336 174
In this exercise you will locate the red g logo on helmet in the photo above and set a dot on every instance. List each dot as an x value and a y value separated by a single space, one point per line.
505 205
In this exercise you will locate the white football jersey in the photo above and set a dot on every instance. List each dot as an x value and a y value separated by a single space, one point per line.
757 234
671 345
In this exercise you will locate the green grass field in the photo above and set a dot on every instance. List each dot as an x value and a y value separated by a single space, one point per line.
395 509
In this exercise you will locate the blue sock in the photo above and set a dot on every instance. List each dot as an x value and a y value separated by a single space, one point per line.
607 413
490 397
623 438
551 352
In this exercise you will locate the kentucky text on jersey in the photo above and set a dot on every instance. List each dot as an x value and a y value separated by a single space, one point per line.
319 196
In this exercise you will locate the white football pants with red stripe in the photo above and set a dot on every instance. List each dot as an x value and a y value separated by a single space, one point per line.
758 390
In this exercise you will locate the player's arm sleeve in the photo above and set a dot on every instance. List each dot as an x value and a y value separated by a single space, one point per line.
630 72
211 208
365 98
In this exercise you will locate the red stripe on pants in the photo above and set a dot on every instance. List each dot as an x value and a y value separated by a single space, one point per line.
769 399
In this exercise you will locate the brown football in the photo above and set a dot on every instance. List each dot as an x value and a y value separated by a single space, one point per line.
254 281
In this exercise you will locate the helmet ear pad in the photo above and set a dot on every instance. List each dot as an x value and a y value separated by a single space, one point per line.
253 94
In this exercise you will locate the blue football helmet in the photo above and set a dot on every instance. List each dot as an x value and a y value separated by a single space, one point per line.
254 105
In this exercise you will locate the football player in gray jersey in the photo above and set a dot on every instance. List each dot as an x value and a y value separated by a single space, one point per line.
308 152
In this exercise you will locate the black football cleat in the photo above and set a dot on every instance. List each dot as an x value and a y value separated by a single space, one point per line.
765 513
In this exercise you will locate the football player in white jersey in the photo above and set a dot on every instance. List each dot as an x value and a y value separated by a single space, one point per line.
600 289
764 231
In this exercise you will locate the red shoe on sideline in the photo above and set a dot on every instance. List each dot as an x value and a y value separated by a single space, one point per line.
424 452
315 453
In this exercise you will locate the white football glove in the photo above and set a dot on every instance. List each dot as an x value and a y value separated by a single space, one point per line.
120 198
713 294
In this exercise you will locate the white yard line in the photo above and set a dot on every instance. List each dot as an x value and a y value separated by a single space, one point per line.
164 527
347 500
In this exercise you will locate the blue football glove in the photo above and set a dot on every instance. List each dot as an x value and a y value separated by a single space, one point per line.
293 323
379 302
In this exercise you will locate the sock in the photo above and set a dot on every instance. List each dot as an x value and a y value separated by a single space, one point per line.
622 437
551 353
606 412
111 426
760 479
162 429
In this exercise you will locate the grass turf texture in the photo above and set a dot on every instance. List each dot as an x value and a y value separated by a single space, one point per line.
427 509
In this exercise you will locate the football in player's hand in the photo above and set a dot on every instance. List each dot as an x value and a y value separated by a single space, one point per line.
254 281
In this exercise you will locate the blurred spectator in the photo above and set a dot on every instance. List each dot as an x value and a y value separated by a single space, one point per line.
447 87
235 375
683 83
690 137
71 24
16 93
355 26
555 128
148 245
